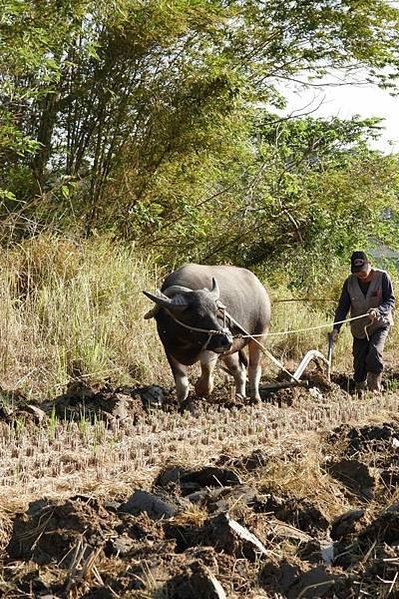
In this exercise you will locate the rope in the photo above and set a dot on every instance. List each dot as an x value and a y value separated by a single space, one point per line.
302 299
262 347
247 335
211 333
320 326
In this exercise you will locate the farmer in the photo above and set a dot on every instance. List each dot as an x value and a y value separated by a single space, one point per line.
368 291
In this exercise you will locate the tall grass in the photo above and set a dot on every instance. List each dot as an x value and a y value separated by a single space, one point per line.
72 309
75 310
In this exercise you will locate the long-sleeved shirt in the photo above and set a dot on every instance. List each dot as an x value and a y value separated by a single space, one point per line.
344 304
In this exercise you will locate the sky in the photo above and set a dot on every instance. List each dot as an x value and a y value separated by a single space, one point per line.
345 101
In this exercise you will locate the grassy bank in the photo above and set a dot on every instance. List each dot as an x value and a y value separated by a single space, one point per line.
71 310
77 310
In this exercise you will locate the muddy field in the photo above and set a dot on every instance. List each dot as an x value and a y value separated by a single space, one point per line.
119 493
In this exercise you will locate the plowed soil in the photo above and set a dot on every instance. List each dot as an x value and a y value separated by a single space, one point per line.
122 493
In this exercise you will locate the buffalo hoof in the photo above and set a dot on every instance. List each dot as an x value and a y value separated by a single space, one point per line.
193 405
255 401
202 391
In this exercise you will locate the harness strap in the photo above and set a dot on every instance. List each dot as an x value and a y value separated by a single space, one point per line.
210 332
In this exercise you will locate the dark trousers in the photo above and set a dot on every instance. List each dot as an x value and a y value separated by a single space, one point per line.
367 354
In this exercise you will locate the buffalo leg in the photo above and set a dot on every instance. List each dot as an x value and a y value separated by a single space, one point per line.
204 385
238 371
254 369
180 375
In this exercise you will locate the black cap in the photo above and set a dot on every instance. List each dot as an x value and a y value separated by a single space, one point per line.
359 262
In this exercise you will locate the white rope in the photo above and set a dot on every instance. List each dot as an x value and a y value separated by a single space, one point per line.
262 347
320 326
246 335
211 333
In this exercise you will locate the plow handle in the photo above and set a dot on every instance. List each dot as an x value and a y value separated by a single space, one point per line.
329 354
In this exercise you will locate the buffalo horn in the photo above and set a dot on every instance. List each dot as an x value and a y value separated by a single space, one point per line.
174 289
165 302
215 291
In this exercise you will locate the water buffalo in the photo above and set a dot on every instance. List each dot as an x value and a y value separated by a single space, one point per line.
192 326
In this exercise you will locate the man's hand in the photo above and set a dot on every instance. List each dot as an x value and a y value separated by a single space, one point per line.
334 334
373 314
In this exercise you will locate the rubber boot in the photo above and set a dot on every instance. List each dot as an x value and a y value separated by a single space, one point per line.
374 382
360 389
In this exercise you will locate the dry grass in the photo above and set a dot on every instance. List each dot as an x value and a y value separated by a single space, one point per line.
71 308
75 310
301 315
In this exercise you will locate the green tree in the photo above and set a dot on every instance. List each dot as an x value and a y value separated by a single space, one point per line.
319 192
150 119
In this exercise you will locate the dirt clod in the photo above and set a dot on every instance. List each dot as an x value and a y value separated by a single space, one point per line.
153 505
190 481
226 534
346 524
288 508
355 476
83 401
50 532
197 581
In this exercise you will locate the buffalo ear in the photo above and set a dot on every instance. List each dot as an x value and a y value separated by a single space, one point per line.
215 291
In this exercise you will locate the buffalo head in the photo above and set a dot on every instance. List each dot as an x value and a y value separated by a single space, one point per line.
196 314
